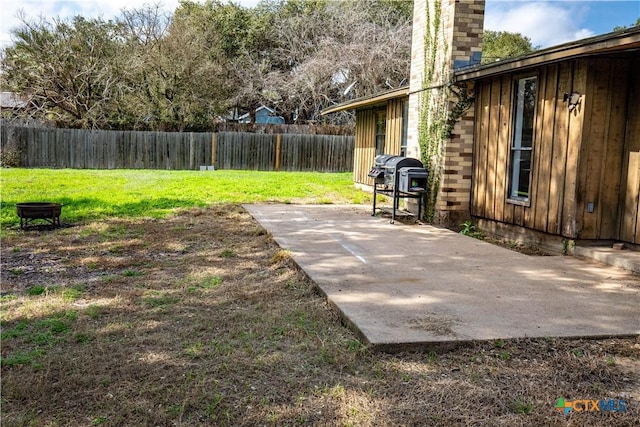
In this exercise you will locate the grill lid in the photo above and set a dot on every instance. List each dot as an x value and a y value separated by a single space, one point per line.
397 162
382 159
385 168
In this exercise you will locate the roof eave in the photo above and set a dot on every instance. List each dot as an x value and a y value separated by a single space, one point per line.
368 100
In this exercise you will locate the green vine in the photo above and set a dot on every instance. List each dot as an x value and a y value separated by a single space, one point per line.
433 111
463 103
436 119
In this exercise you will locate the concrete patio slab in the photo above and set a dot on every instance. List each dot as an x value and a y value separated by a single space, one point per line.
409 286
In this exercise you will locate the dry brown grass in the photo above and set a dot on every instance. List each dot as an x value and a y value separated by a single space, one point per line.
200 319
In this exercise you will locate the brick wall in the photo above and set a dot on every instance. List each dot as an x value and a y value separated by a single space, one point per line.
461 31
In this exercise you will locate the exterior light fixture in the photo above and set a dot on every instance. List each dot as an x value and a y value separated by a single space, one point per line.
573 100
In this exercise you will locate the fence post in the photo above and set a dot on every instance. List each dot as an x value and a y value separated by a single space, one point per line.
278 150
213 149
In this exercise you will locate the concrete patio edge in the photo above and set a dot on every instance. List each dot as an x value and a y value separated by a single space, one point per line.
416 287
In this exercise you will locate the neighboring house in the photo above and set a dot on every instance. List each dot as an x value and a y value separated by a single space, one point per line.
381 128
10 103
263 115
556 147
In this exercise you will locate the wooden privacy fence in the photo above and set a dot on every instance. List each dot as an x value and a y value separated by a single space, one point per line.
290 152
95 149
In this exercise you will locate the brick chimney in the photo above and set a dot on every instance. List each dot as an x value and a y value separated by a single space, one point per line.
447 34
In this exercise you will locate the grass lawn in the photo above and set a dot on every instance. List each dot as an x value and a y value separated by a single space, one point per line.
96 194
193 316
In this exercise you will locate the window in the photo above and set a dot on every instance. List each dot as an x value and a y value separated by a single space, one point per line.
525 105
405 128
381 130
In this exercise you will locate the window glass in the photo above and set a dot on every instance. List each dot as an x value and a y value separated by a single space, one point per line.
524 120
405 128
381 130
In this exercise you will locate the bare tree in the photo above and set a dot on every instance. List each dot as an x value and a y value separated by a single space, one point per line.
64 69
329 48
149 70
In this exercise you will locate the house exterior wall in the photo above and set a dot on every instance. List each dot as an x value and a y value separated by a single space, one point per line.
461 30
630 180
264 116
365 139
365 145
580 158
393 139
609 140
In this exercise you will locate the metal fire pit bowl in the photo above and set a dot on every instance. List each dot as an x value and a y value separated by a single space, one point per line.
49 212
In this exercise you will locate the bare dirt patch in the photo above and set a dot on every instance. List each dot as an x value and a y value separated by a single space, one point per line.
201 319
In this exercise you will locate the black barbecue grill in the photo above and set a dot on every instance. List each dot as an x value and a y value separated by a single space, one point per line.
398 177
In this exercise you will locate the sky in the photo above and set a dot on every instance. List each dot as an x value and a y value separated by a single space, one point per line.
546 23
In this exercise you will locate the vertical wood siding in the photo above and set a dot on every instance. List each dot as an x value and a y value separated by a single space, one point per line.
600 163
365 146
365 140
394 127
577 156
630 183
575 134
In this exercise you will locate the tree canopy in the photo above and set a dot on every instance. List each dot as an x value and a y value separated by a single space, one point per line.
147 70
67 69
624 27
501 44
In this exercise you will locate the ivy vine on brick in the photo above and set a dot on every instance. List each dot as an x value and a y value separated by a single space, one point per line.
436 118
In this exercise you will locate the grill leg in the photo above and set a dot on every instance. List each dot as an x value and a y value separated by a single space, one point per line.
395 203
375 192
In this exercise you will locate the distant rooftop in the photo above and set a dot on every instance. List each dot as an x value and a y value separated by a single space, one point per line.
11 100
